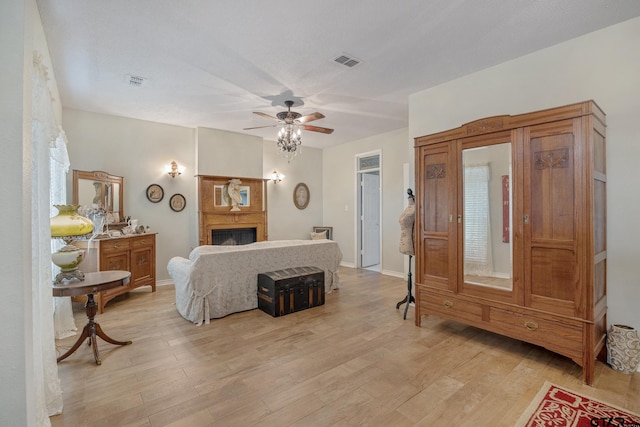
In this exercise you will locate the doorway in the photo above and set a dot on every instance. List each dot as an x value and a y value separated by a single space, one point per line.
368 214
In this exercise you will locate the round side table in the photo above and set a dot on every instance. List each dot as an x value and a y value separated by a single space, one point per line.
92 283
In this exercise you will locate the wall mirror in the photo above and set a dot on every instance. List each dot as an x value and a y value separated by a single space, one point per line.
487 199
221 195
99 189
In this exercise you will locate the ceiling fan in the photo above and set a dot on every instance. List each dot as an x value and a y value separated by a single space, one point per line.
292 118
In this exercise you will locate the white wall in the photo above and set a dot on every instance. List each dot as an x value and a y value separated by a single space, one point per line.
339 182
20 34
603 66
223 153
285 220
138 151
16 215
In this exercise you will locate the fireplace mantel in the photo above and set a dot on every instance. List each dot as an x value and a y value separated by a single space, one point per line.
214 215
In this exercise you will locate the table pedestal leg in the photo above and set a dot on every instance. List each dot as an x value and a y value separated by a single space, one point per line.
90 331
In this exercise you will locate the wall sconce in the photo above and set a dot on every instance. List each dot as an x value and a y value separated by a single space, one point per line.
276 177
173 169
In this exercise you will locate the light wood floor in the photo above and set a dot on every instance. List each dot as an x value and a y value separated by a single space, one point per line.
352 362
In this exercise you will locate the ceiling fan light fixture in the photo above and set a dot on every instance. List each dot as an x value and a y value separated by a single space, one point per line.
291 124
289 140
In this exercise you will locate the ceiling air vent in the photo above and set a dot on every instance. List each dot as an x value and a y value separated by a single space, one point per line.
135 81
348 61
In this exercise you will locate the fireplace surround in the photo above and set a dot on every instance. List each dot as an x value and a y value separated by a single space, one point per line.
216 216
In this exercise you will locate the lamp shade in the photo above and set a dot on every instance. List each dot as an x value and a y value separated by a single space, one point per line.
69 222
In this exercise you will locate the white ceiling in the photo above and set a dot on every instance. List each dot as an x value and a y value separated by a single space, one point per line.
211 63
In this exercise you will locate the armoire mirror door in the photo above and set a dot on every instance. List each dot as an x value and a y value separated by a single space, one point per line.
487 198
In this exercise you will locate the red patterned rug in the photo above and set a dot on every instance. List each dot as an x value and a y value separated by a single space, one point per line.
555 406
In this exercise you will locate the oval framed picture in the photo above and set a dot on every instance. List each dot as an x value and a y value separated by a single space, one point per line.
177 202
301 195
155 193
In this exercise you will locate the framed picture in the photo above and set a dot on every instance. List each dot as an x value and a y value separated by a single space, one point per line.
327 230
177 202
155 193
301 195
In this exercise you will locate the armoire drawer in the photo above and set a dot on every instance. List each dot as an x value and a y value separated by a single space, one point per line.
450 307
564 337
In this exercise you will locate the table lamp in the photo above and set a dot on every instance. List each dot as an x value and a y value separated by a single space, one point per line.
68 225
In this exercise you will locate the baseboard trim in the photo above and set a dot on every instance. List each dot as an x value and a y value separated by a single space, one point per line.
393 273
164 282
385 272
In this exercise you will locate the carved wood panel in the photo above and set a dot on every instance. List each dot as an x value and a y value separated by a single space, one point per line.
435 226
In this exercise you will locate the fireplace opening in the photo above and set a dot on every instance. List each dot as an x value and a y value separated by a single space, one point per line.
233 236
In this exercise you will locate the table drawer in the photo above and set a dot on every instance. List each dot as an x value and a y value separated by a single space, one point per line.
110 293
450 307
115 245
561 336
142 242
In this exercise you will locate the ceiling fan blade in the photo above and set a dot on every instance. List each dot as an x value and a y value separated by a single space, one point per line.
317 129
260 127
310 117
266 116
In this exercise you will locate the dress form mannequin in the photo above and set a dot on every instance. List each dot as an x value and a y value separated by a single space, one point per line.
407 220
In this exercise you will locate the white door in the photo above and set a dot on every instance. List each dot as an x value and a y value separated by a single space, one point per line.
370 219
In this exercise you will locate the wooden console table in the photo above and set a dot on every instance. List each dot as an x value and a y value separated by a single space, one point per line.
92 283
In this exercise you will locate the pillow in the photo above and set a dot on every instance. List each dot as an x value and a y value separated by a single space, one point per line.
318 236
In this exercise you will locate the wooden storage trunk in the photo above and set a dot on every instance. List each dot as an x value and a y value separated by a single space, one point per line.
293 289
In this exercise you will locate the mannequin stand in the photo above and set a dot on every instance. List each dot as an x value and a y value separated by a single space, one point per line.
409 298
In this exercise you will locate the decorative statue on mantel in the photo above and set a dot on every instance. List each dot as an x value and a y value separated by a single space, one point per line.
233 189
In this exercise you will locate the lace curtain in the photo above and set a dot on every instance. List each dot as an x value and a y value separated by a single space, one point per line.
63 322
44 133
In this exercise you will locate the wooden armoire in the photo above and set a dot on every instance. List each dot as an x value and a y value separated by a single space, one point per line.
510 228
